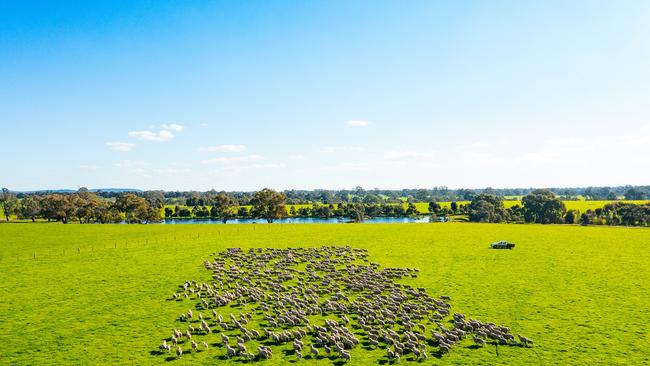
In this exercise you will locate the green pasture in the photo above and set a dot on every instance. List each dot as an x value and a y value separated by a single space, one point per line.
98 294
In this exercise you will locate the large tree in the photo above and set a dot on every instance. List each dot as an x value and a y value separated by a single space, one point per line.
58 207
222 207
268 204
543 207
9 203
487 208
137 210
30 207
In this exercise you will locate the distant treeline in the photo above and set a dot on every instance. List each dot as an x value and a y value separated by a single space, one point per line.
541 206
371 196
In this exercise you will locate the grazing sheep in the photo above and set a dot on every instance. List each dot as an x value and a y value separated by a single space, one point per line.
313 350
205 345
230 352
479 341
345 355
289 286
179 351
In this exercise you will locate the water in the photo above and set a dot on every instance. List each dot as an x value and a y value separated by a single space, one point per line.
304 220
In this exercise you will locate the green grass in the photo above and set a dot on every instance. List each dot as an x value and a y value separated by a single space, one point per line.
96 294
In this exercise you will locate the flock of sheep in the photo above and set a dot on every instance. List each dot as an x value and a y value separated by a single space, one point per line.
287 293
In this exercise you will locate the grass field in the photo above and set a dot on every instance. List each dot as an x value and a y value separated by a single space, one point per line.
96 294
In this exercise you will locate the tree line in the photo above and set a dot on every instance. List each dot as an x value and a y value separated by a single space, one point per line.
376 195
542 206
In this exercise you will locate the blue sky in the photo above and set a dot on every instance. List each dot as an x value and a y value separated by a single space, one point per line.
324 94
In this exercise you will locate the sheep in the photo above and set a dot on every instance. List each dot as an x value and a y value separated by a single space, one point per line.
205 345
179 351
479 341
313 350
230 352
346 356
525 341
373 299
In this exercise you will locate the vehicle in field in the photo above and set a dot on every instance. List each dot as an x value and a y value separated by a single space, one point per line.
502 244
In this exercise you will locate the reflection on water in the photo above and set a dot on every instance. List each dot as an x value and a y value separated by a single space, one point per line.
303 220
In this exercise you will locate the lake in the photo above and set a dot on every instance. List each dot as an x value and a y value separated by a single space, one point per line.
303 220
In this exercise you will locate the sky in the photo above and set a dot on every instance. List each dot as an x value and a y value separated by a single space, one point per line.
242 95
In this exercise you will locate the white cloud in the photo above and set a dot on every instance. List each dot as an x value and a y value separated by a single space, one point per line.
234 160
347 167
88 167
224 148
566 141
297 157
173 126
171 172
120 146
130 164
333 149
408 155
358 123
161 136
135 167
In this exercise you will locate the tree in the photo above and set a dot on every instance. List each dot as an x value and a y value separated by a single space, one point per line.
636 193
222 207
9 203
268 204
85 204
434 208
487 208
137 210
571 216
106 213
453 206
58 207
357 212
411 210
543 207
30 207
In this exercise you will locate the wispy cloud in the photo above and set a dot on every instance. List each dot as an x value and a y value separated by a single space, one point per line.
224 148
90 167
146 135
171 172
566 141
347 167
234 160
334 149
297 157
408 155
120 146
173 127
135 167
358 123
